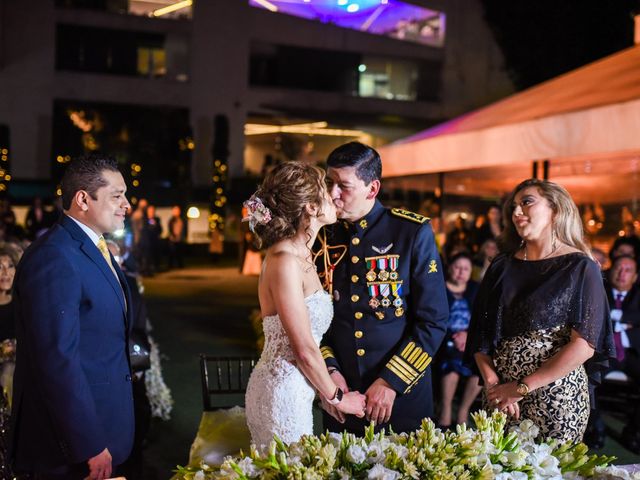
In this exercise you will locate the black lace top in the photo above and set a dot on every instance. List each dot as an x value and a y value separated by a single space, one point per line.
518 296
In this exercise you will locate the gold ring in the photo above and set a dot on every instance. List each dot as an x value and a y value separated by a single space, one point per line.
497 401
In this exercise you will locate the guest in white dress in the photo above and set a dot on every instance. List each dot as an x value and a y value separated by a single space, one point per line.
286 213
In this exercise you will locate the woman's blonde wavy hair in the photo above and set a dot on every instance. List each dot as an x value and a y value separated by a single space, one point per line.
286 190
567 223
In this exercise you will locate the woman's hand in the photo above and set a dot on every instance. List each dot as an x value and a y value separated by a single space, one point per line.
460 340
353 403
502 395
513 410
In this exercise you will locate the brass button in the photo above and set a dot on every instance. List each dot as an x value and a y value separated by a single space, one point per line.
358 315
354 278
358 334
354 259
360 352
355 241
355 298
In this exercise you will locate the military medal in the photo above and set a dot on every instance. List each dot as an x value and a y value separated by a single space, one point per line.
397 301
374 292
393 265
383 275
380 315
385 289
371 274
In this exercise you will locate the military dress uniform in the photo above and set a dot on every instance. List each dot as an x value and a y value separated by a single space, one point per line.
390 309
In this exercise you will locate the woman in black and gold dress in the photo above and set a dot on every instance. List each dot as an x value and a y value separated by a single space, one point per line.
541 313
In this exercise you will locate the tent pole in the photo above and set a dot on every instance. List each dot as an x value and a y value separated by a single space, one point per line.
534 171
545 170
440 197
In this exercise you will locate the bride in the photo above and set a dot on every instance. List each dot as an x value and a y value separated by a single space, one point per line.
286 212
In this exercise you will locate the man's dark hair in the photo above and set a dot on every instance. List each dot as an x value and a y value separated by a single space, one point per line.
619 258
85 173
631 241
355 154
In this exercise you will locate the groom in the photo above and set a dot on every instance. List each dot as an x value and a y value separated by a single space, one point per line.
390 307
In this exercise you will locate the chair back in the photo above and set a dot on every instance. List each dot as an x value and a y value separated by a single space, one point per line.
224 380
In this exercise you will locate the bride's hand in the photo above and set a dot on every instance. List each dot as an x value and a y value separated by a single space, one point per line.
332 410
353 403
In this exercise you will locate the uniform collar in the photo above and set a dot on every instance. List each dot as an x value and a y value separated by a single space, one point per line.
365 223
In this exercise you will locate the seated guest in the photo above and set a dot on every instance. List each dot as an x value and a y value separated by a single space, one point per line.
461 292
9 257
624 300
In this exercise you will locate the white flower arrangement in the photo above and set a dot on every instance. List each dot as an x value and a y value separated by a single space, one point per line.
158 392
484 453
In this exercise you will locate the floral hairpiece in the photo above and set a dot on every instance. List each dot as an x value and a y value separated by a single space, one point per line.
257 212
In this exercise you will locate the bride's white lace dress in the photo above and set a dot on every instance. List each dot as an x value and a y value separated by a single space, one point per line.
279 398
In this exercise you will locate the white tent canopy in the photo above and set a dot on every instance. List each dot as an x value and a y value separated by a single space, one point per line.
586 122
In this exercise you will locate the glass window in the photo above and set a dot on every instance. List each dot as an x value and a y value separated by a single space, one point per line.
391 18
167 9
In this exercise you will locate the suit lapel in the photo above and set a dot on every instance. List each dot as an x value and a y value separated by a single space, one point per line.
96 257
127 294
91 251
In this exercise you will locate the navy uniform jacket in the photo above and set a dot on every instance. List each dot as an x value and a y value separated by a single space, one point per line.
72 386
390 309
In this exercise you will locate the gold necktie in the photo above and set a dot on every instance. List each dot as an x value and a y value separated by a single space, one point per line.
102 246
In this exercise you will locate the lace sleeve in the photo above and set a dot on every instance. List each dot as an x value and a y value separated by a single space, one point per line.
483 333
590 318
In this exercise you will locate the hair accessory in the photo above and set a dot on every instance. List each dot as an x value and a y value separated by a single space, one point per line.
257 213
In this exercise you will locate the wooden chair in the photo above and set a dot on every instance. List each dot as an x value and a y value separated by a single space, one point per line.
224 380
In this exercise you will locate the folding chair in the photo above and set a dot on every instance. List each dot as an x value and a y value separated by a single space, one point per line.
224 380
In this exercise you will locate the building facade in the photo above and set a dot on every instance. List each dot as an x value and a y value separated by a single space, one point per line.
153 77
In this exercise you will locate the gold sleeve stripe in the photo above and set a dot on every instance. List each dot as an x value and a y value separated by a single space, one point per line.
399 373
400 364
327 353
422 362
408 349
414 355
408 389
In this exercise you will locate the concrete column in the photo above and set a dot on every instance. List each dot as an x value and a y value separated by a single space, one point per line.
219 80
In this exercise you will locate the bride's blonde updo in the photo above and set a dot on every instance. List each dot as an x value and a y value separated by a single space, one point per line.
285 191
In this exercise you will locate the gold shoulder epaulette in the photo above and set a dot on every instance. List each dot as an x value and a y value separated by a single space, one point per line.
414 217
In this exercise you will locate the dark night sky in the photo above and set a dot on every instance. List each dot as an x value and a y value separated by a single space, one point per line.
541 39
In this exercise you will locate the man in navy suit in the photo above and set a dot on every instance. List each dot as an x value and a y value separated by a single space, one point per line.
72 404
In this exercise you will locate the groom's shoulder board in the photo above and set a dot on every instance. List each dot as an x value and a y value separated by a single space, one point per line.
408 215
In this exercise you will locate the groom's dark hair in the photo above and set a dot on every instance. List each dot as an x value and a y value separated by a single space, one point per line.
85 173
363 157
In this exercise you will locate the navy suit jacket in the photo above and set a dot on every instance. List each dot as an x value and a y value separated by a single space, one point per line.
630 313
72 385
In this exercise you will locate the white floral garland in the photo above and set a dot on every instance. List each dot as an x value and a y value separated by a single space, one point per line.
484 453
158 393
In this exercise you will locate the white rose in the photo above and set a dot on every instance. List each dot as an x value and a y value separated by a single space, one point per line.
356 454
512 476
378 472
375 453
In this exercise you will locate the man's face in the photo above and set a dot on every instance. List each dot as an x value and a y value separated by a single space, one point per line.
106 213
624 274
352 198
